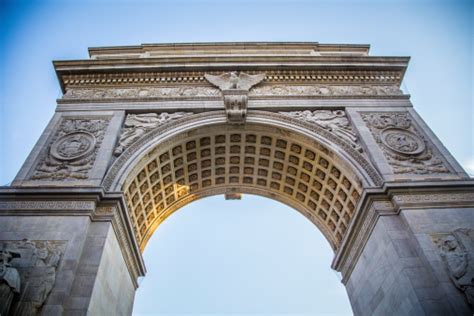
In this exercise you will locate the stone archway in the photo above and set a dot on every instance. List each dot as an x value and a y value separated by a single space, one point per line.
158 175
141 131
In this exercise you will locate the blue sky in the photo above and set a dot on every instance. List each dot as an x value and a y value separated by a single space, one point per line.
436 34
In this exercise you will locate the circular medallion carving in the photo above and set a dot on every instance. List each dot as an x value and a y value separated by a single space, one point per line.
73 146
402 141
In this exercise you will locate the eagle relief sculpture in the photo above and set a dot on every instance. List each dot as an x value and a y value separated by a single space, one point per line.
235 88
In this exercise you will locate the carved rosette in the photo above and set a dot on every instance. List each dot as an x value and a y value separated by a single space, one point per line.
31 270
405 149
457 252
73 150
137 125
335 121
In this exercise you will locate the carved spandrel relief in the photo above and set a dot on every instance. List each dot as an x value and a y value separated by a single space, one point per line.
73 150
30 274
405 149
326 90
137 125
334 121
235 89
457 251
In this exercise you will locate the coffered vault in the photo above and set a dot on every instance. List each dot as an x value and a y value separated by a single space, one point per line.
141 131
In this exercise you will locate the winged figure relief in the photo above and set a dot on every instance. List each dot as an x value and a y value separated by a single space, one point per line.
234 81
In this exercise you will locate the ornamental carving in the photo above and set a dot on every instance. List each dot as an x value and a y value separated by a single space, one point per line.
28 274
235 89
405 149
136 125
129 93
327 90
312 90
457 251
73 150
335 121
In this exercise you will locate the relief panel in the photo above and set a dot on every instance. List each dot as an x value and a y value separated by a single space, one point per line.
403 145
73 150
28 274
457 252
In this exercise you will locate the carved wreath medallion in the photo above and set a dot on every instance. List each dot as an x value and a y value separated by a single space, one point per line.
402 141
73 150
403 145
73 146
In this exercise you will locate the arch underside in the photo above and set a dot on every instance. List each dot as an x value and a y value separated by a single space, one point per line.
254 158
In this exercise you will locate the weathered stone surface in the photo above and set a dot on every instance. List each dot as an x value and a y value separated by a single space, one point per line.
141 132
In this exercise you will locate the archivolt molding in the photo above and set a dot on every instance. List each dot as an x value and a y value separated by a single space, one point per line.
122 164
304 172
217 158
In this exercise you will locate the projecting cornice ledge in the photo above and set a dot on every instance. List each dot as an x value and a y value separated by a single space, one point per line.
91 202
389 201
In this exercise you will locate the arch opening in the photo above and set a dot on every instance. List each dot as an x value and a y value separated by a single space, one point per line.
232 252
259 159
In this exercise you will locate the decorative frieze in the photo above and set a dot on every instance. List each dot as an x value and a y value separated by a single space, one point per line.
404 147
136 125
28 274
327 90
334 121
73 150
457 252
190 91
140 93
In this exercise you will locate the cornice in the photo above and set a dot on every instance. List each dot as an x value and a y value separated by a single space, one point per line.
91 202
191 70
390 200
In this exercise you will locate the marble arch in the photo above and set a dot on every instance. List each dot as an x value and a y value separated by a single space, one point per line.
325 128
279 162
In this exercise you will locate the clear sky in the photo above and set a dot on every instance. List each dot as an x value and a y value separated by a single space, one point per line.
268 257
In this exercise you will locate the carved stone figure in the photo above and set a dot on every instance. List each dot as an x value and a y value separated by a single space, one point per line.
35 264
334 121
73 150
403 146
457 251
136 125
235 89
9 280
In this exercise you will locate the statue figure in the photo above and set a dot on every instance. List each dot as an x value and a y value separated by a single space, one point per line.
9 280
235 89
41 272
136 125
334 121
232 81
457 251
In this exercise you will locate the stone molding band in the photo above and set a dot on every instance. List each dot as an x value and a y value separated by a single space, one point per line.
123 162
391 201
94 203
